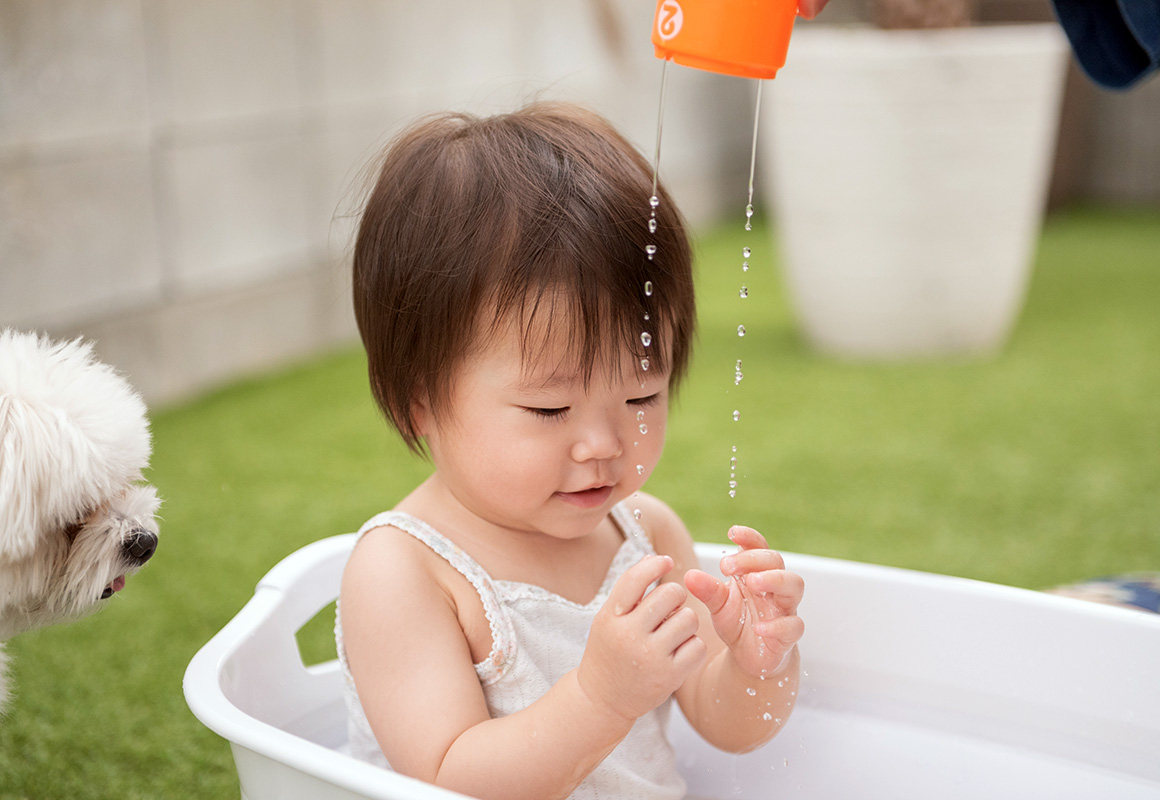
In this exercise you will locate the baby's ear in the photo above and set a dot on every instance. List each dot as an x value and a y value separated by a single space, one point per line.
421 416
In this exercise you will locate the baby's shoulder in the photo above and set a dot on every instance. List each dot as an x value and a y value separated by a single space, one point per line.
388 559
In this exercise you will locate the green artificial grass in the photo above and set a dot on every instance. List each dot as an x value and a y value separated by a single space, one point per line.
1033 467
1038 466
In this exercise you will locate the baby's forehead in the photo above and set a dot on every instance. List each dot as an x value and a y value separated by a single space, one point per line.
549 351
568 377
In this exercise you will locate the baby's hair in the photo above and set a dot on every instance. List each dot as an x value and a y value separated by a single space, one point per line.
539 215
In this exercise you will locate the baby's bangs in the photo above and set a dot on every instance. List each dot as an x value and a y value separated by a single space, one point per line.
597 329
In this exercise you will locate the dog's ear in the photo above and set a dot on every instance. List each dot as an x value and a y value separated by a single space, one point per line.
18 529
39 454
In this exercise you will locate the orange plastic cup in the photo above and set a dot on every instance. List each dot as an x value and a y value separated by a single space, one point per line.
736 37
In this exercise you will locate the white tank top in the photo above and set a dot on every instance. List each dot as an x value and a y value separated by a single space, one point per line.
537 637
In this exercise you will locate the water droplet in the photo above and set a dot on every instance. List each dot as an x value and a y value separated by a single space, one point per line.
640 469
749 211
644 364
736 415
639 416
732 484
652 225
646 338
643 428
636 511
746 252
748 225
751 692
744 291
740 330
732 492
654 201
648 284
738 376
767 716
650 250
733 463
734 448
785 761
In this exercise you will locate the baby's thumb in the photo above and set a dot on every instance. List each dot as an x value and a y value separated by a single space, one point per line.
710 591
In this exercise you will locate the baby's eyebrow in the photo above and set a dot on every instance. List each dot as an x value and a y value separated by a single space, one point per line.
548 383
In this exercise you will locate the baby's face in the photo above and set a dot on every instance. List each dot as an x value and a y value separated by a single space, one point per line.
526 446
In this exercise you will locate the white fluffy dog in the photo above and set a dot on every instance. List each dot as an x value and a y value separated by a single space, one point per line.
74 517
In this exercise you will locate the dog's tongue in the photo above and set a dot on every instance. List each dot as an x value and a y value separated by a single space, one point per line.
117 585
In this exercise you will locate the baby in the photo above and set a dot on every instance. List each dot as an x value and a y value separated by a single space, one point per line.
518 625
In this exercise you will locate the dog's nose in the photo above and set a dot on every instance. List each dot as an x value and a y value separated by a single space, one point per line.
140 545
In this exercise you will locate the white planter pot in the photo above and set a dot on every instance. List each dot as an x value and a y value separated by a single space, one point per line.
908 172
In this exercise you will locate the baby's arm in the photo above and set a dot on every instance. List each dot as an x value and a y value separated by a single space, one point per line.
747 687
413 668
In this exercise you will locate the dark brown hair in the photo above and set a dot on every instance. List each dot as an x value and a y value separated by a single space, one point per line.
542 213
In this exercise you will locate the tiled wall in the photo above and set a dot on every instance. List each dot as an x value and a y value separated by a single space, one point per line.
177 176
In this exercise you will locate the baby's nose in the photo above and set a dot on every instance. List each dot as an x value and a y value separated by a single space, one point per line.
598 442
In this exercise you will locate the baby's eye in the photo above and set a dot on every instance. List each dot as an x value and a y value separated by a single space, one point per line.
645 401
548 413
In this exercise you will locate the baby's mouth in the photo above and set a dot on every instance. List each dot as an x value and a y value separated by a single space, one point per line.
117 585
587 498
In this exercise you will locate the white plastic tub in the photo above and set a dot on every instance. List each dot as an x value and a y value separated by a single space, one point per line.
916 686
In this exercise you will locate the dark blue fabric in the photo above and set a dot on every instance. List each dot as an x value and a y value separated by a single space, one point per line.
1117 42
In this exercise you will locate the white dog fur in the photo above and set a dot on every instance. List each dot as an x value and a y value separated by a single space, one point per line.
75 518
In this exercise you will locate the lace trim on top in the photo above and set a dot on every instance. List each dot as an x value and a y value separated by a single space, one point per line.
503 647
503 640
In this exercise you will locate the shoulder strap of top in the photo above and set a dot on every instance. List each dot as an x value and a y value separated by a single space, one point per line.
502 634
631 528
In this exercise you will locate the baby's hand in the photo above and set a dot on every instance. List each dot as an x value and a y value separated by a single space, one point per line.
755 613
642 645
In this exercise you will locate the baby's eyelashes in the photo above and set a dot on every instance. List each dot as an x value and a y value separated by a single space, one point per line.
561 411
548 413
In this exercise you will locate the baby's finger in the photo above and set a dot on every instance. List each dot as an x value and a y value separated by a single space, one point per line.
676 630
786 588
630 588
690 655
707 589
747 538
751 561
659 604
785 630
